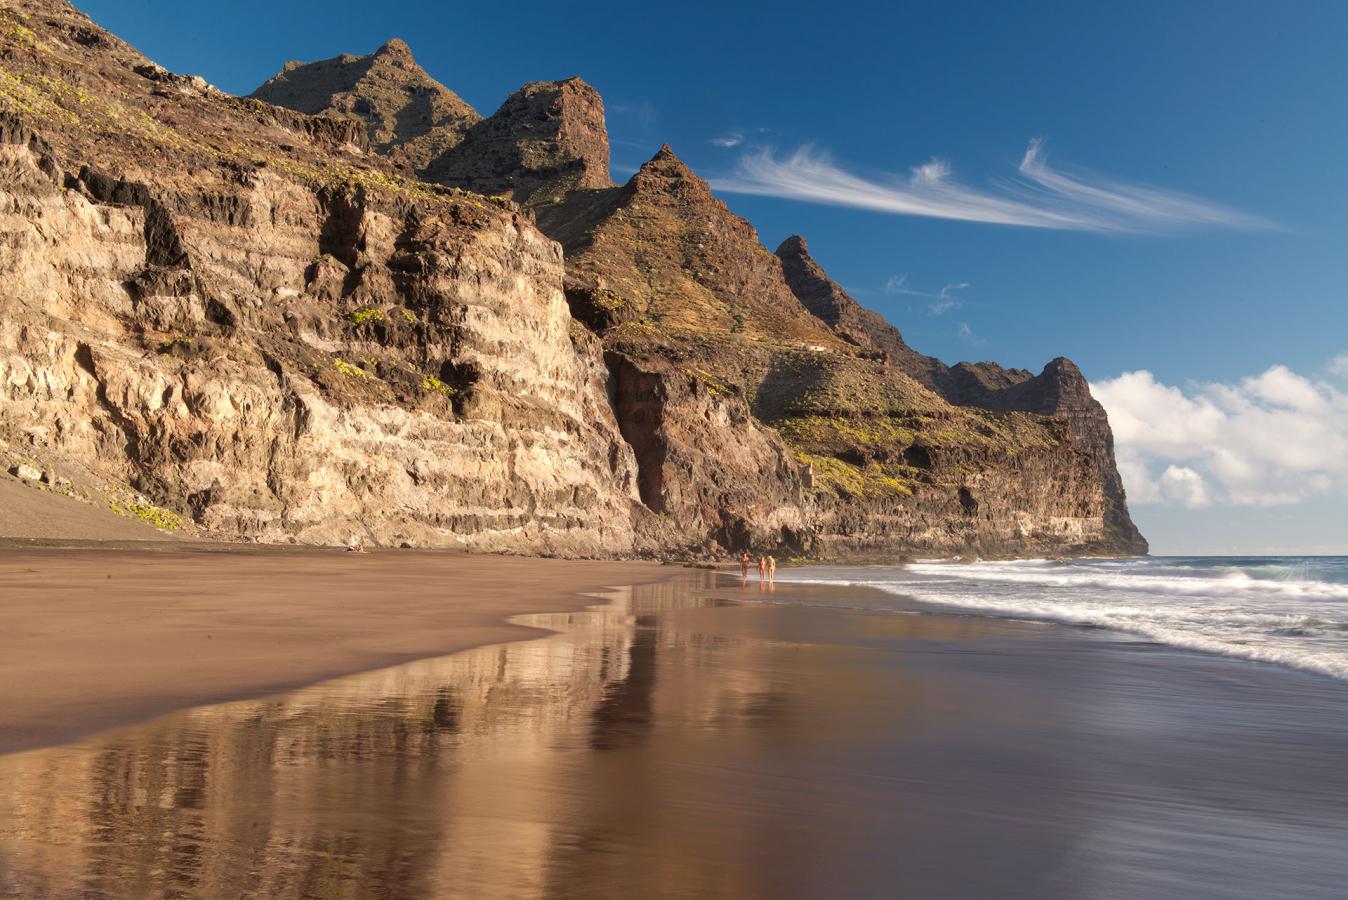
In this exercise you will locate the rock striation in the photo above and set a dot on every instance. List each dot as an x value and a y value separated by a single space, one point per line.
359 311
270 335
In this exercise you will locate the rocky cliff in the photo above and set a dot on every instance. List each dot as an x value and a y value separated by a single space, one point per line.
252 323
850 454
1060 390
308 322
409 116
546 140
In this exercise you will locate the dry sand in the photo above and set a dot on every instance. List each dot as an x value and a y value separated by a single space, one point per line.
92 638
33 513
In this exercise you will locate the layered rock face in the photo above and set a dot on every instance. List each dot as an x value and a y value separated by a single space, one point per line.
1061 390
409 116
275 339
256 321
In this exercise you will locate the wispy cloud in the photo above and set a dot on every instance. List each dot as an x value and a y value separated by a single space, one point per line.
1037 195
941 302
728 140
966 334
641 112
1338 366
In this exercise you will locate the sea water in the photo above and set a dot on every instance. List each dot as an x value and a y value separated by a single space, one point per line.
1291 611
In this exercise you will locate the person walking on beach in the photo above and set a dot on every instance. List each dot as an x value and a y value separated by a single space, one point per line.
762 567
772 568
744 564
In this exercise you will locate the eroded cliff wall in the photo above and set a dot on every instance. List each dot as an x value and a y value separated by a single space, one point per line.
260 324
271 337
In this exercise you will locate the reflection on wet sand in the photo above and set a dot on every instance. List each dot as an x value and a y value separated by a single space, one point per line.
447 776
674 744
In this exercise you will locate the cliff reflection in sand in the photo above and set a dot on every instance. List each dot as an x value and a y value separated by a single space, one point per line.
447 775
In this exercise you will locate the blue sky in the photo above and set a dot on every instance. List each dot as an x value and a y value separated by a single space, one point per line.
1233 113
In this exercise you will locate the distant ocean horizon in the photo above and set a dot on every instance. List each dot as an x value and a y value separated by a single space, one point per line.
1285 610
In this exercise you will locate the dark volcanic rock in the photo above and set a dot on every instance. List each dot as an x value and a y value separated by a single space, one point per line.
547 139
1060 390
702 324
671 254
866 328
410 116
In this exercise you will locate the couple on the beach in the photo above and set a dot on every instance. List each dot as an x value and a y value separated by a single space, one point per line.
767 566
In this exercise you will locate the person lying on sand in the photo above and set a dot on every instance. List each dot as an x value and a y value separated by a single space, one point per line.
356 547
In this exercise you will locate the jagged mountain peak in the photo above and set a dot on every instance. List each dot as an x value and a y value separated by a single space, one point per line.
547 139
409 115
665 175
664 250
395 49
560 86
824 297
1061 365
667 161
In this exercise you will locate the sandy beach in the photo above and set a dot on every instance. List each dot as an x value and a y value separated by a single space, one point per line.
92 638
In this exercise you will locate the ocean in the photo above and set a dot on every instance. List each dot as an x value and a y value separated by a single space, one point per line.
1287 610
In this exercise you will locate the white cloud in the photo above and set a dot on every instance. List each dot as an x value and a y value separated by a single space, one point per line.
1183 485
1142 487
1338 366
1039 196
1273 438
946 301
732 139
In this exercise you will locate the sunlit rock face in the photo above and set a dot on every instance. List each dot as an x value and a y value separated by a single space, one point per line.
258 327
261 324
766 408
546 140
408 115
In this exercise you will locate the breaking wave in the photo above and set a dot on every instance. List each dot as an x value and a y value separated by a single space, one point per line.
1292 611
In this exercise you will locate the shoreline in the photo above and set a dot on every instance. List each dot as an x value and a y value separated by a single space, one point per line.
76 664
94 638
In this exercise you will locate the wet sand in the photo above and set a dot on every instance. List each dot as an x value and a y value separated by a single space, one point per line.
689 741
92 638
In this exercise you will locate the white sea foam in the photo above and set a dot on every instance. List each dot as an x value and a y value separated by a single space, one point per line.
1288 611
